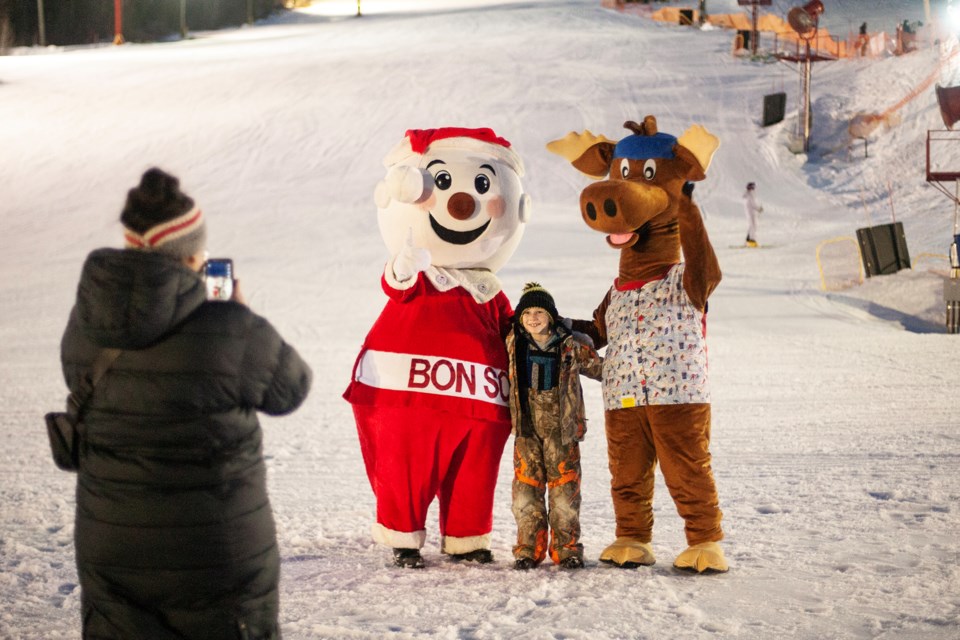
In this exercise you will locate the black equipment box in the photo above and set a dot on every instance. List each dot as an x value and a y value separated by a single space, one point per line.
883 249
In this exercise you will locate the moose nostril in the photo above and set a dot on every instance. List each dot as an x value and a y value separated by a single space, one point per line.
461 206
591 211
610 207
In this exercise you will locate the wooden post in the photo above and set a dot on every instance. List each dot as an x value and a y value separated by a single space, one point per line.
183 18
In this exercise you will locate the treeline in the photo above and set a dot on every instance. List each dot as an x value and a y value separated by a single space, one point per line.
69 22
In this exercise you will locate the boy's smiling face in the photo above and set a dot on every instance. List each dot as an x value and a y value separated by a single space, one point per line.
536 321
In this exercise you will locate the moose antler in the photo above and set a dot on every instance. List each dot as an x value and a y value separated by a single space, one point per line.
701 143
647 128
573 145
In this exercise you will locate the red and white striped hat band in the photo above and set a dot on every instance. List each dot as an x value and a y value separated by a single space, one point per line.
165 232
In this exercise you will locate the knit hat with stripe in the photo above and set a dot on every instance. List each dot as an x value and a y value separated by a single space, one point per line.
159 217
536 296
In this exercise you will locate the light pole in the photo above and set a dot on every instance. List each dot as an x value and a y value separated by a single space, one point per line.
117 21
43 26
805 21
183 18
754 30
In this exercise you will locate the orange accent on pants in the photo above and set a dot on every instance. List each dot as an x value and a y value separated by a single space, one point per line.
521 471
678 437
566 475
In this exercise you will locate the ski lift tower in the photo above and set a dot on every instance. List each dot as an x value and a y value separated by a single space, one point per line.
940 144
805 21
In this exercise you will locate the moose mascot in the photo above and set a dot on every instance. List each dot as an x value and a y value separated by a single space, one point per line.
652 322
430 387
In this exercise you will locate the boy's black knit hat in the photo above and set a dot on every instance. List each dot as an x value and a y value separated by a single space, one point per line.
536 296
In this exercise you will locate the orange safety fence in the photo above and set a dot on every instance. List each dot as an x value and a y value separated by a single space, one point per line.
823 44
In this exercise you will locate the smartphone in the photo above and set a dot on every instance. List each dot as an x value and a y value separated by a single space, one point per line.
218 273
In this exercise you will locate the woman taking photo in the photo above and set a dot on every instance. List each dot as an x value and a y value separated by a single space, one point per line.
174 532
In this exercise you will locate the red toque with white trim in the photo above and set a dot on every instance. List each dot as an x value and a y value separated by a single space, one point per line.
482 140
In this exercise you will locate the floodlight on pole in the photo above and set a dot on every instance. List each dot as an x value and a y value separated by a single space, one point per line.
805 21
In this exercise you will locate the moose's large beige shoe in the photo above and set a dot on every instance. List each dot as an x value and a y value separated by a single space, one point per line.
706 556
628 553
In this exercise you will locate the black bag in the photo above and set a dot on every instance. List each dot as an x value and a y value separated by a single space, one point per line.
64 440
63 428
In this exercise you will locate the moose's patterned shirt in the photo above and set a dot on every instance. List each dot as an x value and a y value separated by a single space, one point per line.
656 352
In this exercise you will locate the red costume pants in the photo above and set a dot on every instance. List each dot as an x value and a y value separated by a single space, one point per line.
413 455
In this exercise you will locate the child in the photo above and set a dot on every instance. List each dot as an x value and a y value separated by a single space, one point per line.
547 413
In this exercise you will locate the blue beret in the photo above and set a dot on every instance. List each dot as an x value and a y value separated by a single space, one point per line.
637 147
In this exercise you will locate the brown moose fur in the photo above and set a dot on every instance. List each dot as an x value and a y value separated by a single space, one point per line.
652 221
665 220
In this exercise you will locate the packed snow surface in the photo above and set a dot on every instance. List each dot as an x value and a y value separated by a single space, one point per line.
836 425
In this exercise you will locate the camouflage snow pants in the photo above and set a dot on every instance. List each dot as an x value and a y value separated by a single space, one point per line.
544 467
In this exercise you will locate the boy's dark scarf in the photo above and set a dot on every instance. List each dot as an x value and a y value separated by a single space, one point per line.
523 342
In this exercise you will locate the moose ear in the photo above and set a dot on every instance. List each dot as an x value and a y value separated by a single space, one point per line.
595 161
587 153
699 145
695 173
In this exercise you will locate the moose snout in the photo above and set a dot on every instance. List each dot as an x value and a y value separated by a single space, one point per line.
620 206
609 208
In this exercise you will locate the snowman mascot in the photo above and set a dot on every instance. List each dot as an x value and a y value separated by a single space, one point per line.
429 388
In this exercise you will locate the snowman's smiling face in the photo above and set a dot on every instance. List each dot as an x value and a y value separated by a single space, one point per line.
462 199
469 214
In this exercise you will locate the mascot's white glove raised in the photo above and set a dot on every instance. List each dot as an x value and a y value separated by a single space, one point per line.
410 261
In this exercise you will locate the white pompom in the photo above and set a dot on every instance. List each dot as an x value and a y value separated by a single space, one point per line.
405 184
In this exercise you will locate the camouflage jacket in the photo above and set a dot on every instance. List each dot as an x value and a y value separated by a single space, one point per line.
576 357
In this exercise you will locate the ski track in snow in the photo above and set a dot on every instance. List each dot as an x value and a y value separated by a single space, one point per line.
835 441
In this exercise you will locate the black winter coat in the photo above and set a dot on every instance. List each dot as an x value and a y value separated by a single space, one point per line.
174 532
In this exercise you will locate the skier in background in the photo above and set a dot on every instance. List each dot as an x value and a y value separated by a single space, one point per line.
753 208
